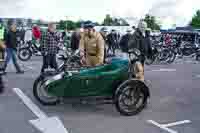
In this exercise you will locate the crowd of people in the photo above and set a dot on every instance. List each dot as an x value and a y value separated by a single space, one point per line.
93 45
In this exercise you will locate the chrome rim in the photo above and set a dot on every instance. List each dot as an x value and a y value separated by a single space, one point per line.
24 54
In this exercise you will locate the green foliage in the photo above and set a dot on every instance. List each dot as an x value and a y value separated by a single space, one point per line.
78 24
108 20
195 23
62 25
151 22
70 25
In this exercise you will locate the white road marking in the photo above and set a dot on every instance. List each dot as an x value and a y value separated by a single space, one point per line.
39 113
197 76
44 124
164 70
162 127
176 123
165 126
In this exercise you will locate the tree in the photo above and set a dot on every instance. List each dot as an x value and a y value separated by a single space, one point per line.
97 24
195 23
151 22
62 25
108 20
78 24
71 25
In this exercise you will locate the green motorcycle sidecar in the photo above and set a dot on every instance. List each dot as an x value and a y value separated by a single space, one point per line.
109 80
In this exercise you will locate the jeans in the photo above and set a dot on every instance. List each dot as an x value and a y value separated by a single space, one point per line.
11 54
49 60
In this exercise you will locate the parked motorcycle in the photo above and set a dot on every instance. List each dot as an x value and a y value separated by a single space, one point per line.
25 53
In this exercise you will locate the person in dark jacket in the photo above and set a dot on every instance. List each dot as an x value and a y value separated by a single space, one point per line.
124 41
141 41
112 41
75 40
11 48
49 47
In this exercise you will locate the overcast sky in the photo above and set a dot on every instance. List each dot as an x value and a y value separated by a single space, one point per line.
169 11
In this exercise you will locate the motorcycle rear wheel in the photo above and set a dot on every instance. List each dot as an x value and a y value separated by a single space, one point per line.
24 54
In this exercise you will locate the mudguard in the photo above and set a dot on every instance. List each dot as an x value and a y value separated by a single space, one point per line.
134 81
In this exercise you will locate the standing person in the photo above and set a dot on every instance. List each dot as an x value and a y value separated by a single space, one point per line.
2 48
141 41
92 46
104 32
112 42
124 41
75 40
28 36
36 33
11 48
49 47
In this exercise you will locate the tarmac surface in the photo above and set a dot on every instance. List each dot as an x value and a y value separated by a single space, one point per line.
174 97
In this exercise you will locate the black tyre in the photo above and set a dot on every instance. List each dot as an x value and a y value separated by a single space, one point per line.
172 57
150 61
165 55
131 97
41 94
24 54
197 57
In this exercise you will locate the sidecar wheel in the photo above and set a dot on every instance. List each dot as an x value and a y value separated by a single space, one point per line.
131 97
41 94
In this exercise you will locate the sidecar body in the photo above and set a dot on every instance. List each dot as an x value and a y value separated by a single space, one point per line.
96 81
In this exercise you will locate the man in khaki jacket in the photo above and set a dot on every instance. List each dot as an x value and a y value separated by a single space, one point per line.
92 46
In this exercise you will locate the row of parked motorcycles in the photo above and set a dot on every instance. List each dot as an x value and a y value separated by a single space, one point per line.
27 49
168 53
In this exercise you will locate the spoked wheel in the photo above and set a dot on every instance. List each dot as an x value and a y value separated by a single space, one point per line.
164 55
131 97
41 94
172 57
150 61
24 54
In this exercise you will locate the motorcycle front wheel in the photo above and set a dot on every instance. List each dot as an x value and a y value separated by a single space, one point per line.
24 54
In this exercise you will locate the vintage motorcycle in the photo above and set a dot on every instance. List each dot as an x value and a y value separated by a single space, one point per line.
25 53
112 81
